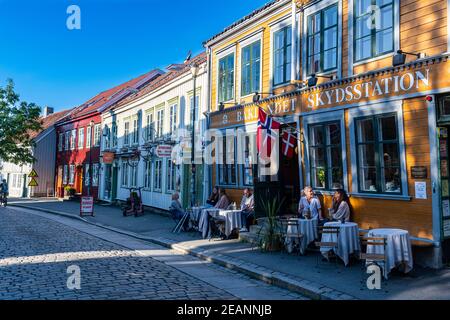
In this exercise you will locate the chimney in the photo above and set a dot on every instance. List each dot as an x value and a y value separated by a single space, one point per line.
48 111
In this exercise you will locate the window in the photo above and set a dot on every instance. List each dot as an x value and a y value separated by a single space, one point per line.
325 151
226 161
71 174
134 174
97 135
282 56
157 182
66 174
95 174
126 134
374 31
250 161
195 108
88 136
60 142
171 175
86 175
106 138
150 127
17 181
226 78
124 174
135 134
148 175
322 40
73 136
173 118
159 123
114 135
378 154
66 140
251 68
80 138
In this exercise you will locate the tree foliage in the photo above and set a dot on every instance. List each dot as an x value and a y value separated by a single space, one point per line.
17 120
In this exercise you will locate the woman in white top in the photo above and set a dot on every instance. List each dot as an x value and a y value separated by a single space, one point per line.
311 203
341 208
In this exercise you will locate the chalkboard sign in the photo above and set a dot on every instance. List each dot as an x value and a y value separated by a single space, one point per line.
419 172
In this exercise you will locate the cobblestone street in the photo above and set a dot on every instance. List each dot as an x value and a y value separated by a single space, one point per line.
35 253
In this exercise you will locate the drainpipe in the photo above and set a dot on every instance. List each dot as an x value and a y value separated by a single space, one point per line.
208 119
294 41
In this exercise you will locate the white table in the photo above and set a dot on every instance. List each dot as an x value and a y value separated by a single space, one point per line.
307 227
398 249
233 220
203 222
347 241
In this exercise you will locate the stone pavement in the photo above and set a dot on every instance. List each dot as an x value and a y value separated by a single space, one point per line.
36 250
305 274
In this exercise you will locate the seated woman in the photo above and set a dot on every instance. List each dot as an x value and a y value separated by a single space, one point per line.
309 202
341 209
223 202
214 197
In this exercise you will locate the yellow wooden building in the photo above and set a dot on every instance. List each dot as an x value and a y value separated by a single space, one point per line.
365 85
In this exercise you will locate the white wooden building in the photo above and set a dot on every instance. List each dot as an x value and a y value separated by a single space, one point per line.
155 113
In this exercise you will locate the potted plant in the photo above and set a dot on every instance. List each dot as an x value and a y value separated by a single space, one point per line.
269 237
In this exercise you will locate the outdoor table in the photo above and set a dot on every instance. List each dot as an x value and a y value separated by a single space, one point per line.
233 220
398 249
308 227
203 223
347 241
196 212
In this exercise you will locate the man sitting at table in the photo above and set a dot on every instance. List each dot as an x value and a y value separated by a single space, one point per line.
248 208
310 203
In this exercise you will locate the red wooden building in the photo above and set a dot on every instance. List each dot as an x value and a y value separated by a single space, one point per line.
79 139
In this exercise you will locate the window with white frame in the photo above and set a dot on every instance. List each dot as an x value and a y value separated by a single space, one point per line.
88 136
135 133
66 140
148 175
66 174
171 175
226 78
80 138
17 181
282 43
126 133
226 153
173 118
72 174
373 28
134 175
107 135
124 174
97 135
159 123
95 174
251 68
60 142
194 110
322 42
114 134
73 137
157 181
87 174
378 154
150 126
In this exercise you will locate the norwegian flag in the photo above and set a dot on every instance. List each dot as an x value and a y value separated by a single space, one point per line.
266 134
288 144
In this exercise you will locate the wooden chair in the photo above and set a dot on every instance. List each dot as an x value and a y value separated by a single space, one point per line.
378 259
329 230
293 223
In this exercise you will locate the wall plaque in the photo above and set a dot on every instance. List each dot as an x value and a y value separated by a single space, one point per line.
419 172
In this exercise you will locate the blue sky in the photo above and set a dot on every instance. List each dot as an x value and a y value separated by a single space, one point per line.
118 40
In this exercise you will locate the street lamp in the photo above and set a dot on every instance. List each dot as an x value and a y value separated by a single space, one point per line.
194 71
90 157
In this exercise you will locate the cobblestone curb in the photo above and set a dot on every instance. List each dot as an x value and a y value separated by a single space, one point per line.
305 287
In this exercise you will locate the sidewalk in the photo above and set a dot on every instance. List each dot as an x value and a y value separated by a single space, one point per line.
298 273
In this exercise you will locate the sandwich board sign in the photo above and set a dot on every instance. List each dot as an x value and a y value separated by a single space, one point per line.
87 206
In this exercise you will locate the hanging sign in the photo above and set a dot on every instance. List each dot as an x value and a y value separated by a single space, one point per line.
164 151
87 206
108 157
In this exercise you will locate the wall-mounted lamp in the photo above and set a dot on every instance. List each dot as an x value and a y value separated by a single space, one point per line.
222 105
312 81
400 57
257 96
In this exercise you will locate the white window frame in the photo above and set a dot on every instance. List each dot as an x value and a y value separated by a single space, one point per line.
173 117
317 118
134 171
282 23
97 135
73 139
372 110
135 131
245 43
171 179
126 133
351 17
88 137
160 122
220 55
80 138
148 177
71 174
114 134
155 175
95 174
124 178
312 10
150 124
65 174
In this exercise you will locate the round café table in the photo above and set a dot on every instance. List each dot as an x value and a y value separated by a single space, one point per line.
398 249
233 220
306 227
347 241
